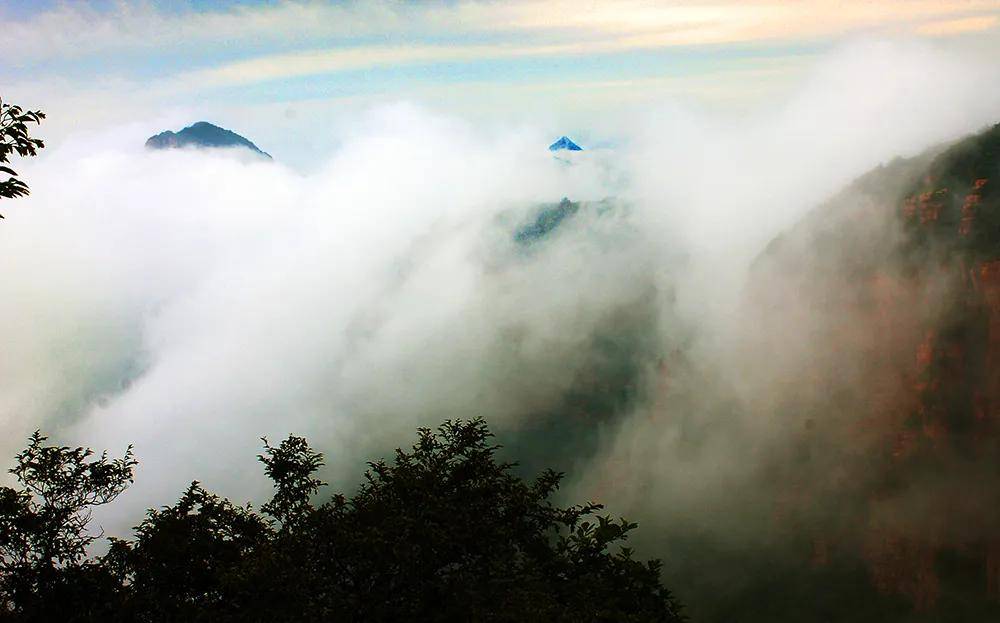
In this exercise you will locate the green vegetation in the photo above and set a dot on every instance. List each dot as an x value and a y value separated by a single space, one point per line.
14 138
444 532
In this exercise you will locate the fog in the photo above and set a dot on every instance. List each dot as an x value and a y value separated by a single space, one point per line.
189 302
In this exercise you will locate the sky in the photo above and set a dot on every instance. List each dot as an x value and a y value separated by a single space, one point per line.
277 70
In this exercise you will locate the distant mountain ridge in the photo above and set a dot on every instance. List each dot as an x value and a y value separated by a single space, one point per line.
202 134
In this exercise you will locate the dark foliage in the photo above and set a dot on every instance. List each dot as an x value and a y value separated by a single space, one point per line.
14 138
44 530
444 532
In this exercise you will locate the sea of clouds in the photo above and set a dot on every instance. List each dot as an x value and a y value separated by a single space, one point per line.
189 302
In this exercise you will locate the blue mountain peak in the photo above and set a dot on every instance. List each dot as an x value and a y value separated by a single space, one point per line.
565 143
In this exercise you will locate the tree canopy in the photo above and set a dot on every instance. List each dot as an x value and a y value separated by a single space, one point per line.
15 139
443 532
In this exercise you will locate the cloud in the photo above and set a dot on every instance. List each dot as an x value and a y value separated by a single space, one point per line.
158 298
711 465
319 62
952 27
316 38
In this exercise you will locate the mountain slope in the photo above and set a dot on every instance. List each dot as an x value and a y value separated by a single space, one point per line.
879 315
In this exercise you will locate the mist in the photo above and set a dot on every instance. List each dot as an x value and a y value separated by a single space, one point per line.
189 302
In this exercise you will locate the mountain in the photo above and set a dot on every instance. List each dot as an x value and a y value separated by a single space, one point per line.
873 336
565 143
202 134
547 218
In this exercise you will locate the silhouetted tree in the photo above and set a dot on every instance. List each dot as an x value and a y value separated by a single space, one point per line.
188 561
14 138
444 532
44 531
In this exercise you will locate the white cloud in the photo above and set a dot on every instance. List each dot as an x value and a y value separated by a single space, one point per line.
189 302
331 36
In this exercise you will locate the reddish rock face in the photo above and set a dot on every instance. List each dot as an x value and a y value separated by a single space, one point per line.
969 207
901 374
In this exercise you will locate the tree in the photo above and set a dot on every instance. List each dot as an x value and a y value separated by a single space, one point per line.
14 138
187 562
290 467
444 532
44 525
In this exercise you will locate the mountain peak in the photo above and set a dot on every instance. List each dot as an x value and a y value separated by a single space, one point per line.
564 142
202 134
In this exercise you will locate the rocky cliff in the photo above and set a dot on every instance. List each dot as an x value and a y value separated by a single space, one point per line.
882 310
